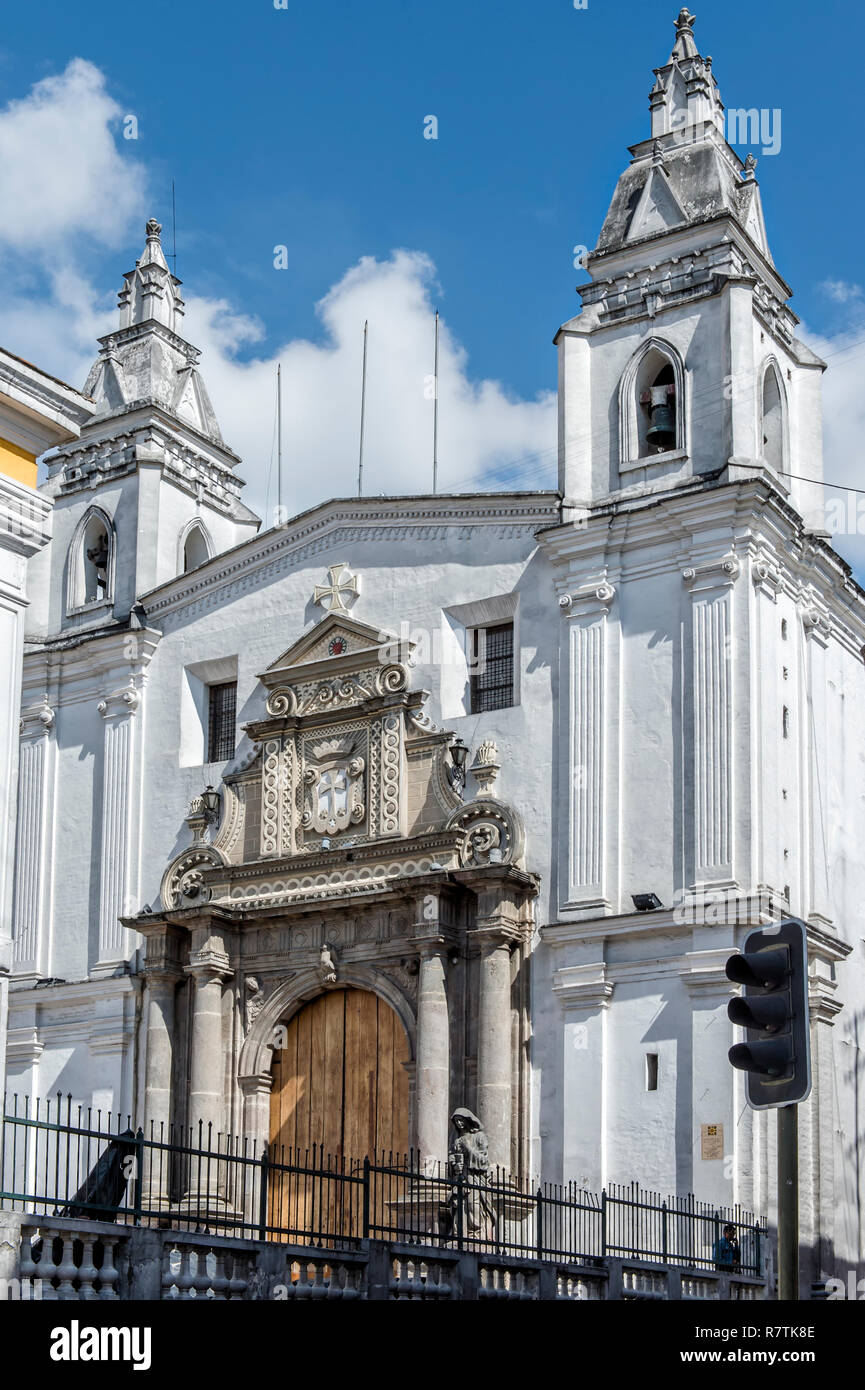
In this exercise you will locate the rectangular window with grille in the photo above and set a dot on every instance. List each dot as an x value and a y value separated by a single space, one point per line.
492 673
221 722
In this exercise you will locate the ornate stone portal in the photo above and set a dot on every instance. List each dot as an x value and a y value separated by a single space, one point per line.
345 858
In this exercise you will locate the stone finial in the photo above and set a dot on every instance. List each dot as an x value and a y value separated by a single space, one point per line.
684 47
750 167
153 229
486 766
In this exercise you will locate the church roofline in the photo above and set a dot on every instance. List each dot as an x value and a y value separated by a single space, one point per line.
530 508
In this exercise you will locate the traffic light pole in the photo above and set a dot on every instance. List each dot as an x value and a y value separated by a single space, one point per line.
788 1202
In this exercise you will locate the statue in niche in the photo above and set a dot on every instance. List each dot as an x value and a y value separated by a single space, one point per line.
327 967
469 1170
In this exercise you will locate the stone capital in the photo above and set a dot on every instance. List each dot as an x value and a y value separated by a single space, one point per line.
712 574
119 704
207 965
594 597
495 932
259 1083
37 721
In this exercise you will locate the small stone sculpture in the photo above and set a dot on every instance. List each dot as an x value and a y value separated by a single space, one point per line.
327 965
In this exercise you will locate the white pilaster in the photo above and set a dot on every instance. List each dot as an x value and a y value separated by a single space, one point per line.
31 916
118 858
584 992
710 844
586 612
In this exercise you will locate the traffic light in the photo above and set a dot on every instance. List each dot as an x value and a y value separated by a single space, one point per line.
773 1008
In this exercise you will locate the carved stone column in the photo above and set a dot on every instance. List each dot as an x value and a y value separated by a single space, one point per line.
256 1092
162 974
34 843
495 1066
118 796
432 1073
210 968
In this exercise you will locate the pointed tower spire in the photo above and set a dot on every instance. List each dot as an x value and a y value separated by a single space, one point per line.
150 291
684 47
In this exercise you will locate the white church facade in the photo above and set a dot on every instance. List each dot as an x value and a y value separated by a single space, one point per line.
466 798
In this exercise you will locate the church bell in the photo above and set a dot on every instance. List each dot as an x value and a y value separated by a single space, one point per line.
661 433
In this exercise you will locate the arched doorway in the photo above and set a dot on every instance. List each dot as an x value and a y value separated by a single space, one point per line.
340 1085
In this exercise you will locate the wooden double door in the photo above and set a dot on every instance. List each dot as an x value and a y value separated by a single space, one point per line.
340 1094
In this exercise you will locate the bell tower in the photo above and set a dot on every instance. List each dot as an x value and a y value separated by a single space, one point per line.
683 367
150 488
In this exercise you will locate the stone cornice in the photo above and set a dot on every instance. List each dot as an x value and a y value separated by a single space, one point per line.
81 668
583 986
25 519
47 411
631 537
342 521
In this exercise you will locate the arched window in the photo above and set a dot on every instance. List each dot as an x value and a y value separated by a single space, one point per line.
91 562
773 425
195 547
651 404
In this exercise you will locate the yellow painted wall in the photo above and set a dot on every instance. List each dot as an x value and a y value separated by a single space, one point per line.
17 463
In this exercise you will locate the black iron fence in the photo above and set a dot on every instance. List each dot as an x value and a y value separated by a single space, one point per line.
60 1160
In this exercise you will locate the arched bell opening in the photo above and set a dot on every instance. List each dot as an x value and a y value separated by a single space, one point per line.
773 426
91 562
651 403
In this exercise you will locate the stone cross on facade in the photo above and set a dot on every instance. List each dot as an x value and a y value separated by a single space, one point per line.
331 595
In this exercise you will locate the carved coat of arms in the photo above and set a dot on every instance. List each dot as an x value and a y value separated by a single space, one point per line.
335 797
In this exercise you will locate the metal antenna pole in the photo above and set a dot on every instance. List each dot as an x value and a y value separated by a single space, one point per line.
362 414
436 409
279 440
788 1203
173 227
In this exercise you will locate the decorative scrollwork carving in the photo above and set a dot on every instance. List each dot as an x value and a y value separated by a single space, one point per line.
282 702
391 679
493 833
183 883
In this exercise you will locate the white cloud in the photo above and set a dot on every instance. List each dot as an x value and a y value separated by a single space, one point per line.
67 180
61 172
844 438
480 425
842 291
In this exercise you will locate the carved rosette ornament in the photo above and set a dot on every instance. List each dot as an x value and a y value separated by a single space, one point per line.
493 833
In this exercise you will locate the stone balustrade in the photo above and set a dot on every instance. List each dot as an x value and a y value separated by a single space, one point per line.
53 1258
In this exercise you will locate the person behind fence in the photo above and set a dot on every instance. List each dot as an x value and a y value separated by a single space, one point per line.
725 1251
469 1159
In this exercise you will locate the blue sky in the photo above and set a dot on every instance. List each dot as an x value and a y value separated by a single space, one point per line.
303 126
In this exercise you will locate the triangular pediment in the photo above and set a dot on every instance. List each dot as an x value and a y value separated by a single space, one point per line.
658 209
337 642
